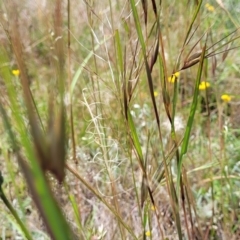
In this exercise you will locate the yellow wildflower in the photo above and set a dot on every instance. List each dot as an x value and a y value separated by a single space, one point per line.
153 208
209 7
226 98
15 72
155 93
176 74
203 85
148 233
173 78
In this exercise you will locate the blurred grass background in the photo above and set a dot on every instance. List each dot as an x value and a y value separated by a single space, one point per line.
121 154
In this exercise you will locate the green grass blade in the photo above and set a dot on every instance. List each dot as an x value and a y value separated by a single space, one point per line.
191 117
42 195
192 21
47 205
135 139
15 215
76 211
2 195
148 71
138 26
119 52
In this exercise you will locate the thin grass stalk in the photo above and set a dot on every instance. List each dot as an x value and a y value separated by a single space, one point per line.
169 177
106 156
192 21
77 213
145 220
2 195
103 140
185 212
70 80
220 3
118 82
190 205
150 220
150 84
127 93
96 90
190 118
105 153
166 100
173 136
10 86
136 187
179 156
138 151
10 170
112 210
171 116
84 63
13 211
187 36
76 207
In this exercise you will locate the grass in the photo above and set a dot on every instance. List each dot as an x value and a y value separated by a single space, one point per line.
119 120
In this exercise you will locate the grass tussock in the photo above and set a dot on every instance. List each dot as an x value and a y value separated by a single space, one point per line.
119 120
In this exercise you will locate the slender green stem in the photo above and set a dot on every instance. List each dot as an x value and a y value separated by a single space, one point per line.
13 211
